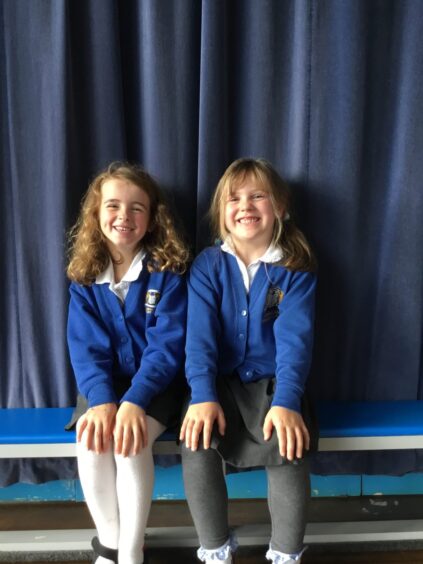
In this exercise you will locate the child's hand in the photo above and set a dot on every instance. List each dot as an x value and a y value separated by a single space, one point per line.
130 431
293 436
200 417
95 427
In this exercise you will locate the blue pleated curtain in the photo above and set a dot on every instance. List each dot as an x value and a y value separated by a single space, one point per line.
330 91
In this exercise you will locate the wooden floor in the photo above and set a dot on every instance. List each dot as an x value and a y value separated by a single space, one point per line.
256 556
22 516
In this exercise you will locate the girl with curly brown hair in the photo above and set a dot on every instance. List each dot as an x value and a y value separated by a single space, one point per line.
126 333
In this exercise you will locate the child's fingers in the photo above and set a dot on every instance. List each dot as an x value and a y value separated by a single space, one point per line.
126 440
98 438
107 431
118 438
80 427
188 431
267 428
90 434
87 437
139 435
143 427
207 431
95 427
282 440
195 434
130 431
306 436
183 429
303 441
198 420
221 422
137 440
192 432
290 443
299 440
132 440
90 438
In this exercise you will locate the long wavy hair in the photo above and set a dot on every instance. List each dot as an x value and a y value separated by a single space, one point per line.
88 251
297 253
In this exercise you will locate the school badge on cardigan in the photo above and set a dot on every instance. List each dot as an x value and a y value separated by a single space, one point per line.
152 298
271 305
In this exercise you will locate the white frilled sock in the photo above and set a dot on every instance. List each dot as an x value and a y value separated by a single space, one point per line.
221 555
118 493
282 558
134 486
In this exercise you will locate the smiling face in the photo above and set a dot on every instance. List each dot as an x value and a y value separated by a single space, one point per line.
250 216
124 216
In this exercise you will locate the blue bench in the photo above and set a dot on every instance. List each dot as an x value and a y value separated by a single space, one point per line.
370 425
40 433
344 426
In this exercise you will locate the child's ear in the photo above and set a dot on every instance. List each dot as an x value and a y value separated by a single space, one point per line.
279 212
282 213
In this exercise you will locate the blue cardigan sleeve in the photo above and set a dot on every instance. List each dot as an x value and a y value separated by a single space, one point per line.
163 356
203 330
293 331
90 348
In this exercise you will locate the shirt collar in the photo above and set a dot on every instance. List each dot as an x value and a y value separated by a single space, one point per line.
132 274
272 254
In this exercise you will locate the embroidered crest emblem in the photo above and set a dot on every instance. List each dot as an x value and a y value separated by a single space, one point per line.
271 306
152 298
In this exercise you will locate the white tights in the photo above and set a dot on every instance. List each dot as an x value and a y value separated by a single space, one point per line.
118 493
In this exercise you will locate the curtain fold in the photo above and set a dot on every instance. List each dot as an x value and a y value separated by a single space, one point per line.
330 91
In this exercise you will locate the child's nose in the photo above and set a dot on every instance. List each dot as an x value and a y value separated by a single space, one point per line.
123 214
245 204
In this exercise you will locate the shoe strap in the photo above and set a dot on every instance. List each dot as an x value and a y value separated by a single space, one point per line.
104 551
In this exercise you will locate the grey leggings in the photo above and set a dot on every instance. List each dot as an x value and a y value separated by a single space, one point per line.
205 488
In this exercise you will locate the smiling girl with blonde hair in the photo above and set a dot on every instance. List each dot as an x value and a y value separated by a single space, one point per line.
249 343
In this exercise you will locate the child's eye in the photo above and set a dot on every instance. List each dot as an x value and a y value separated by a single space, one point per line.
233 199
112 206
258 196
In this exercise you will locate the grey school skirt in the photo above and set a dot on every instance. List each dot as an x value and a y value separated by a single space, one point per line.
245 406
165 407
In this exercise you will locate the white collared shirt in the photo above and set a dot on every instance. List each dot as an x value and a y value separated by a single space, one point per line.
273 254
120 289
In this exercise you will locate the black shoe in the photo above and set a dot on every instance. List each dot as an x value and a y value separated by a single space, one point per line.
100 550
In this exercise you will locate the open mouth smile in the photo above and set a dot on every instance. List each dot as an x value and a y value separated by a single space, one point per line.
248 220
122 229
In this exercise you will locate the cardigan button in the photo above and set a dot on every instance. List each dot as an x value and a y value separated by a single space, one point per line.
244 313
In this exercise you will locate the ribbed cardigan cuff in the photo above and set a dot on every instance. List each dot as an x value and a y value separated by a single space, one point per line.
101 393
140 394
203 388
287 397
